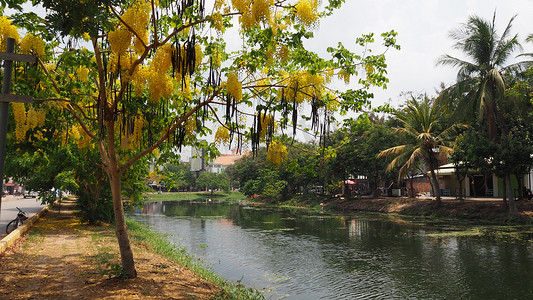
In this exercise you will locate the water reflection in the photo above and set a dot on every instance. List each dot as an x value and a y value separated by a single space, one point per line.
300 256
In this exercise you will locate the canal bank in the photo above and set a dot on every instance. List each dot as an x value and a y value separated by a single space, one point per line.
473 210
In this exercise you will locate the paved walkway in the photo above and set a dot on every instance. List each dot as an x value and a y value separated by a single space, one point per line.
9 209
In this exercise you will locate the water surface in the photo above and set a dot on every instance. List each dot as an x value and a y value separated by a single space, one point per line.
294 255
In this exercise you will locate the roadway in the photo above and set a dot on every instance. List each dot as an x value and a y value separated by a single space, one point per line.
9 209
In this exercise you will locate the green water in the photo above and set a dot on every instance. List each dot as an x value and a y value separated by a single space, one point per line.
294 255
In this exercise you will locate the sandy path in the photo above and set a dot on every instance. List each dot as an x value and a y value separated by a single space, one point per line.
63 259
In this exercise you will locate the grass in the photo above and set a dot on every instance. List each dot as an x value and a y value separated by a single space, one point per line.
157 242
188 196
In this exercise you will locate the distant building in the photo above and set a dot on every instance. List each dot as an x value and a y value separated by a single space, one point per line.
197 159
225 160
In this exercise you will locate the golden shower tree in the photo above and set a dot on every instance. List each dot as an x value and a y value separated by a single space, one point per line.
158 74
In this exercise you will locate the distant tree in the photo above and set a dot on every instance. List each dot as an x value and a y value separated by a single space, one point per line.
178 176
480 85
212 181
428 140
367 137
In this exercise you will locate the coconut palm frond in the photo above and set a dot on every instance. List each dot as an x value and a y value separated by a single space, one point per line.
392 151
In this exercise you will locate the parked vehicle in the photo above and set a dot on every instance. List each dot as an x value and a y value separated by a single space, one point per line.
30 194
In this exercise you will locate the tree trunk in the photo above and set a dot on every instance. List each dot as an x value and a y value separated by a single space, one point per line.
109 158
412 187
461 196
513 210
436 187
521 188
505 193
126 254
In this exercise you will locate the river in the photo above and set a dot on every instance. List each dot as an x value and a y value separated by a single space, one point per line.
291 254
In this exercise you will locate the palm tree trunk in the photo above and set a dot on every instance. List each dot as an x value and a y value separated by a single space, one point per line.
436 186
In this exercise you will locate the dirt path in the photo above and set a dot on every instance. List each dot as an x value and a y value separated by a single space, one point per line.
63 259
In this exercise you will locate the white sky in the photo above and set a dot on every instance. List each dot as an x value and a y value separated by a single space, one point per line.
423 27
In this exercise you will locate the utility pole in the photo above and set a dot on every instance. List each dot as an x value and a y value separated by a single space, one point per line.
9 57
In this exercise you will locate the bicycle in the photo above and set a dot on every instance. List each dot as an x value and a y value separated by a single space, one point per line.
21 217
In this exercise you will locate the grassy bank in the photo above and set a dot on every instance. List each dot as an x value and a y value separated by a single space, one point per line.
161 246
193 196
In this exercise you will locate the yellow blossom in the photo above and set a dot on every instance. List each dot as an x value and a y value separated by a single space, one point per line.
306 12
83 73
7 30
222 136
277 153
32 43
234 86
343 75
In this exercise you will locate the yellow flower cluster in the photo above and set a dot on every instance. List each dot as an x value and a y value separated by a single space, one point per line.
234 86
7 30
199 55
136 137
83 73
343 75
32 44
159 85
282 52
277 153
159 82
217 58
261 10
306 12
266 120
25 121
218 22
123 60
139 80
35 117
137 16
304 86
162 60
222 136
190 126
19 111
119 40
253 12
75 133
218 4
241 5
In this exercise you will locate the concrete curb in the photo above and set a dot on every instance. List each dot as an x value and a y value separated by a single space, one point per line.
9 239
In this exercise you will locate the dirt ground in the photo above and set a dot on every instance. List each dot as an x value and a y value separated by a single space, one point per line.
62 259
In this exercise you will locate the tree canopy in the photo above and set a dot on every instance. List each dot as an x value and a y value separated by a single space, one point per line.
156 75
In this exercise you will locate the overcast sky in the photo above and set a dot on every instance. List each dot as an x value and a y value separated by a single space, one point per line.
423 27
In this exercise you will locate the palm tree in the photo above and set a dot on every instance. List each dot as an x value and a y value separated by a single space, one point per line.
480 81
480 84
428 139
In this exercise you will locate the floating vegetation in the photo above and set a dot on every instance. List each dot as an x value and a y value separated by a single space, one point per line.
279 229
276 278
510 233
